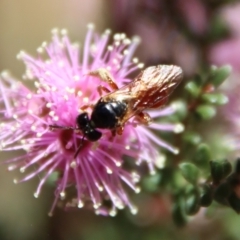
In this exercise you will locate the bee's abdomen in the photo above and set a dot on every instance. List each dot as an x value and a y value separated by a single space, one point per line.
108 114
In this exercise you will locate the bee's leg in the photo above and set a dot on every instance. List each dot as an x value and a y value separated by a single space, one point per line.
113 133
118 130
102 89
105 76
143 118
84 107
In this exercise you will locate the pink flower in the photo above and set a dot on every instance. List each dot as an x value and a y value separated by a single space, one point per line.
61 88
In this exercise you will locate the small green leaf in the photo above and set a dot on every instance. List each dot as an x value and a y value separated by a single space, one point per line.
220 170
180 109
217 26
234 202
206 196
151 183
192 204
215 98
222 192
202 156
192 138
193 89
237 166
219 75
205 111
178 213
189 172
53 178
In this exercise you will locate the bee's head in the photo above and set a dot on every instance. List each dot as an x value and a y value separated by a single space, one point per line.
87 128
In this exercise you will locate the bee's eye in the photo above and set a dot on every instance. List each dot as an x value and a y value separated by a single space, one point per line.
82 120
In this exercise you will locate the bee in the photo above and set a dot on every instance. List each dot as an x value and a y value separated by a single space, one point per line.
149 90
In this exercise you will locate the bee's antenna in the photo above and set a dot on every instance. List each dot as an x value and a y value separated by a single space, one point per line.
79 147
52 127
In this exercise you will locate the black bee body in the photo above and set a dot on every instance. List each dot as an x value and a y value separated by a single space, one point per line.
105 115
149 90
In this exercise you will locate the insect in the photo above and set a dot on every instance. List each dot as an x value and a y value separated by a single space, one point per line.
150 89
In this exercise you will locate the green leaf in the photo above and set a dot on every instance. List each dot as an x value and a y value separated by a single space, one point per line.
192 205
151 183
202 156
205 111
206 196
219 75
220 170
222 192
192 138
215 98
189 172
237 166
234 202
217 26
193 89
178 213
54 176
180 109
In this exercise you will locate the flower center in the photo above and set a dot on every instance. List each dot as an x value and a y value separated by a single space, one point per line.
68 138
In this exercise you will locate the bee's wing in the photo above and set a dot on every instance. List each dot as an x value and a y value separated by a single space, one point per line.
159 82
150 89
